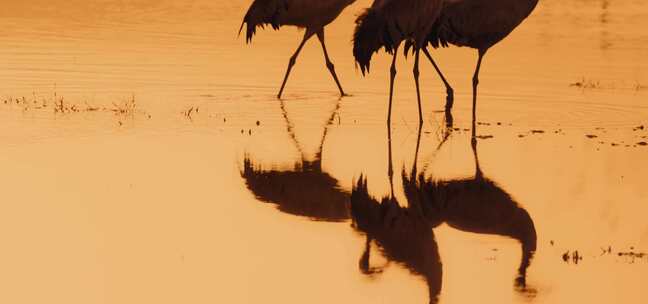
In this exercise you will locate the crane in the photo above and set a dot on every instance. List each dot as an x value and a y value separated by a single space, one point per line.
478 24
386 24
311 15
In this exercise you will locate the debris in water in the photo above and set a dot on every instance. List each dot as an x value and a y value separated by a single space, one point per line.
485 136
605 251
591 136
586 84
642 143
537 131
258 123
632 255
575 257
188 113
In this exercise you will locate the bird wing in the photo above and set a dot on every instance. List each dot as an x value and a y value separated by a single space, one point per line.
261 13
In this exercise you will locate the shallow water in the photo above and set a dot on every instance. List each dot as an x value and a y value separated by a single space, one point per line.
157 205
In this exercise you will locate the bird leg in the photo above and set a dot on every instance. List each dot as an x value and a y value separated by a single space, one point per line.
392 75
390 165
475 83
418 90
293 59
449 90
329 64
478 171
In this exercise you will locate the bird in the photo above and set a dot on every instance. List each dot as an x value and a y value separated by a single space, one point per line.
386 24
311 15
477 24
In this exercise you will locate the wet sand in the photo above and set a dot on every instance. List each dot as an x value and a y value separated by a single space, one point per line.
210 190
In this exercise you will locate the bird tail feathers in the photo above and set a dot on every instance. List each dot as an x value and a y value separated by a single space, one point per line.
371 34
261 13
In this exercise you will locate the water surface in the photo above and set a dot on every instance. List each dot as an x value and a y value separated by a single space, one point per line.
249 199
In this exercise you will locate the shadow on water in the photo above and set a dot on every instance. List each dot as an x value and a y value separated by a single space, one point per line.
304 190
403 234
477 205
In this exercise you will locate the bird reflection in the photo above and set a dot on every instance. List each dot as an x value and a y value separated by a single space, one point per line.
477 205
303 190
402 233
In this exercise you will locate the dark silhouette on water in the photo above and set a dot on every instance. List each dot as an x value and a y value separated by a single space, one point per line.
312 15
387 23
478 24
304 190
402 234
477 205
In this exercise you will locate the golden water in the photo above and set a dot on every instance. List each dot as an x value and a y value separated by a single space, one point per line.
153 208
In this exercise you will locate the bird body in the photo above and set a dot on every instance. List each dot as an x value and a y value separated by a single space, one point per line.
299 13
305 13
312 15
478 23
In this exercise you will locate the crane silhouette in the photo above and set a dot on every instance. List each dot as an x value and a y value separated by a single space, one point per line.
304 190
478 24
312 15
475 204
386 24
403 234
